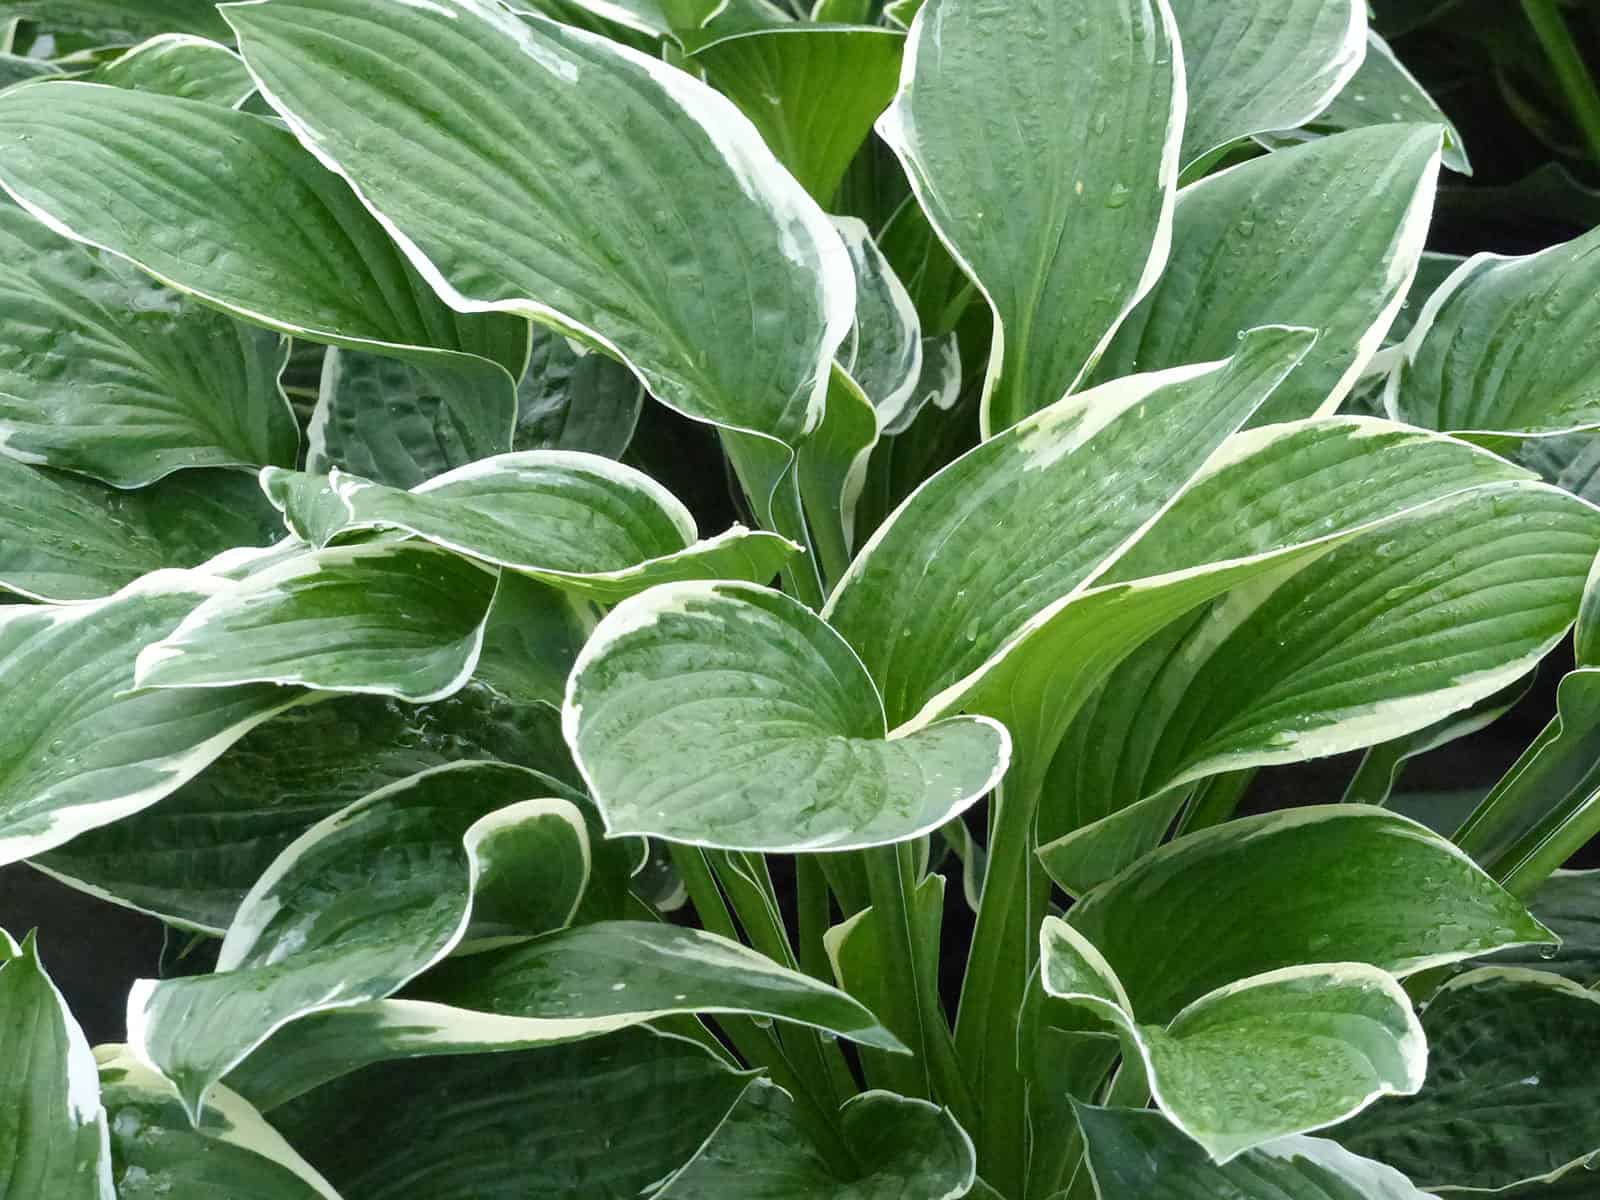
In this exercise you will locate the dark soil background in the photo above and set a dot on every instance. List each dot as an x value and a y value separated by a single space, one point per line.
1528 192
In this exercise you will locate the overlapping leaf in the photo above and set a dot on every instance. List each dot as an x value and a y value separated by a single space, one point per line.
53 1137
1051 181
1510 1093
177 64
356 907
158 1155
1333 1038
576 521
104 372
494 228
82 748
725 714
1325 235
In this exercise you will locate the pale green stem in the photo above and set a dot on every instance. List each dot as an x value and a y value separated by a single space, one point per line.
1571 72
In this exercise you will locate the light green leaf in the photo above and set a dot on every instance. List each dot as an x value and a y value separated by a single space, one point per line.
812 90
1064 515
63 538
629 269
158 1155
1569 904
1381 92
81 747
1262 65
53 1138
728 715
388 618
226 207
114 21
576 521
582 983
1332 883
832 471
1333 1038
1325 235
104 372
177 64
618 1116
574 398
909 1150
360 904
1140 1154
402 423
1502 346
1051 181
1511 1092
192 858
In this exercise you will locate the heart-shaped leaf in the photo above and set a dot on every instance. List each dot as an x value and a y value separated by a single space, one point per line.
725 714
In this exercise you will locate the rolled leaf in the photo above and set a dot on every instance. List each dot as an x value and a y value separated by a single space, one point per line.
1333 1038
1351 871
1349 212
83 748
384 618
1052 181
54 1141
1510 1096
724 714
359 905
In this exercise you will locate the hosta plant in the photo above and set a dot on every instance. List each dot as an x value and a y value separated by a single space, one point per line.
1100 435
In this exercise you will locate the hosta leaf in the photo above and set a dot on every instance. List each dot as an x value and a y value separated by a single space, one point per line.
532 639
630 268
53 1136
1501 346
1263 65
1140 1154
908 1149
105 372
227 207
1569 904
192 858
1383 92
1051 181
1332 1038
1510 1096
177 64
724 714
402 423
812 90
392 619
82 748
1045 483
158 1155
574 398
883 353
575 521
1342 883
64 538
1325 235
1419 616
113 21
832 471
581 983
618 1116
360 904
15 68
